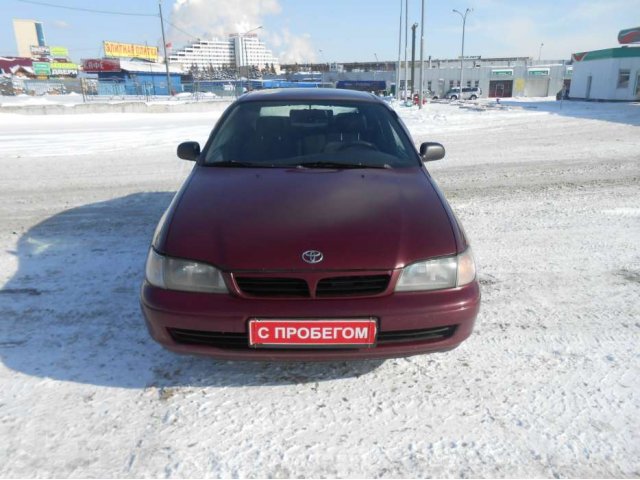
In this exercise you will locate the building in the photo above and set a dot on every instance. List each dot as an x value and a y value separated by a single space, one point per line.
133 77
28 33
235 52
497 77
609 74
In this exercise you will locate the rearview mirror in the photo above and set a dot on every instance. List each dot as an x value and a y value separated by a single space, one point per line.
189 150
430 151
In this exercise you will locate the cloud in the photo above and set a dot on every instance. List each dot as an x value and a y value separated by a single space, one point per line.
60 24
207 19
291 48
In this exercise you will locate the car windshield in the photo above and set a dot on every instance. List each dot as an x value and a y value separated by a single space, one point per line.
310 135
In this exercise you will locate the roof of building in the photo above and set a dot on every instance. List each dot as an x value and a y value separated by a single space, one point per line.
147 67
619 52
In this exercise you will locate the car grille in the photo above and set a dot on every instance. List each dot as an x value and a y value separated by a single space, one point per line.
273 287
235 341
362 285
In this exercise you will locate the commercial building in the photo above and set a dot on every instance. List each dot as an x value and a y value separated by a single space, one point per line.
235 52
133 77
609 74
28 33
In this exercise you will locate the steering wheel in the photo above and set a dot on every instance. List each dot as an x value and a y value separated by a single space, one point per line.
356 144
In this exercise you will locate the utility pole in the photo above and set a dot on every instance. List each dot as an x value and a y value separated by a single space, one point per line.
164 45
406 45
413 55
464 22
399 55
540 52
421 58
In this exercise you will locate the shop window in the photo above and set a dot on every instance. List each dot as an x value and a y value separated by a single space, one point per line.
623 78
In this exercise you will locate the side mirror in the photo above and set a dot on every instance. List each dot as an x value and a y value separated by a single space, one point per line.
430 151
189 150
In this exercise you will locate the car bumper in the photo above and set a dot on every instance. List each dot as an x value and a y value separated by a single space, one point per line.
399 317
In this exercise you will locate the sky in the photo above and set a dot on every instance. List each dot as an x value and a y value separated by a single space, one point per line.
336 30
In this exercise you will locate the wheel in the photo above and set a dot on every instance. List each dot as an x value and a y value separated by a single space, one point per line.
473 97
454 97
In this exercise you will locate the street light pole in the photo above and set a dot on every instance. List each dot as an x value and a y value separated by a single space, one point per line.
540 51
464 23
244 47
406 46
164 44
421 58
399 55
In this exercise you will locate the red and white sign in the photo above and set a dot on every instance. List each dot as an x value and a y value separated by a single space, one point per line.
96 65
344 332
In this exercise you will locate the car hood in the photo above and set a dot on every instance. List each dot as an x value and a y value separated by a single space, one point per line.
264 219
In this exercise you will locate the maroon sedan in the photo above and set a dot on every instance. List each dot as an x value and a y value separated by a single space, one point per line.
309 229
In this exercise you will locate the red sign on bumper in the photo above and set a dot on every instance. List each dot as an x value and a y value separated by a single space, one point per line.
343 332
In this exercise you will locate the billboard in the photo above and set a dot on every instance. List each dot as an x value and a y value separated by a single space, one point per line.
59 52
96 65
64 68
42 68
40 51
130 50
630 35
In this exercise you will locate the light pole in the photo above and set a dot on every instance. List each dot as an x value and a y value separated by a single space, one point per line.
406 46
464 23
421 58
540 51
377 66
244 47
399 55
164 44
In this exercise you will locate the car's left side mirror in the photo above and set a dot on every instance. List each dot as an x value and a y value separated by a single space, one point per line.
189 150
430 151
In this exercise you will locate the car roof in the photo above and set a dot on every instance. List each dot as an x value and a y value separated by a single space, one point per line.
304 94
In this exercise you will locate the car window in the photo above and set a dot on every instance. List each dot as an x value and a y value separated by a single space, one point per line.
275 134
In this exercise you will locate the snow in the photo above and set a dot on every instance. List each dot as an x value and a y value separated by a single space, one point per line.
546 386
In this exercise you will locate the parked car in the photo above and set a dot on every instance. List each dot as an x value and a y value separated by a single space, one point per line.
468 93
309 229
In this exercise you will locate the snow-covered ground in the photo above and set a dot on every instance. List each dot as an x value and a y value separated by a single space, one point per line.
548 384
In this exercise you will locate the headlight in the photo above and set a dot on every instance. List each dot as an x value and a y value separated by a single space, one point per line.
439 273
186 275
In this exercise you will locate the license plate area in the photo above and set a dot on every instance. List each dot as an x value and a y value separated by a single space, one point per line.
312 333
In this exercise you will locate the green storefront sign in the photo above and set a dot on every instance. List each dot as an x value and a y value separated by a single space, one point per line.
538 72
505 72
59 52
42 68
64 68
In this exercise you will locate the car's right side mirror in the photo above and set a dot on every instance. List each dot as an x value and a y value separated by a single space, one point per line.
189 150
430 151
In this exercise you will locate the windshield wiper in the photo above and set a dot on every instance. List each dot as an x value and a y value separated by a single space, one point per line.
238 164
337 165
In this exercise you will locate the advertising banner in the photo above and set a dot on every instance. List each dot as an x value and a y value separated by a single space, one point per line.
39 51
96 65
130 50
60 52
538 72
42 68
64 68
502 72
628 36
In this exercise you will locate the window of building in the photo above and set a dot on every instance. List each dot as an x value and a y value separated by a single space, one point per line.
429 85
477 83
457 83
623 78
450 83
468 83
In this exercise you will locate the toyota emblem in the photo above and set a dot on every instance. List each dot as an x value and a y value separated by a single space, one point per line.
312 256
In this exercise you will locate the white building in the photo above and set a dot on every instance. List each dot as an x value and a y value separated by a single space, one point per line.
238 51
609 74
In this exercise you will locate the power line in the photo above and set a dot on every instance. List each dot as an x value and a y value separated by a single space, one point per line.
181 30
105 12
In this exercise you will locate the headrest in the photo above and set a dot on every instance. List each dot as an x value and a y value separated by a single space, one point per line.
350 122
